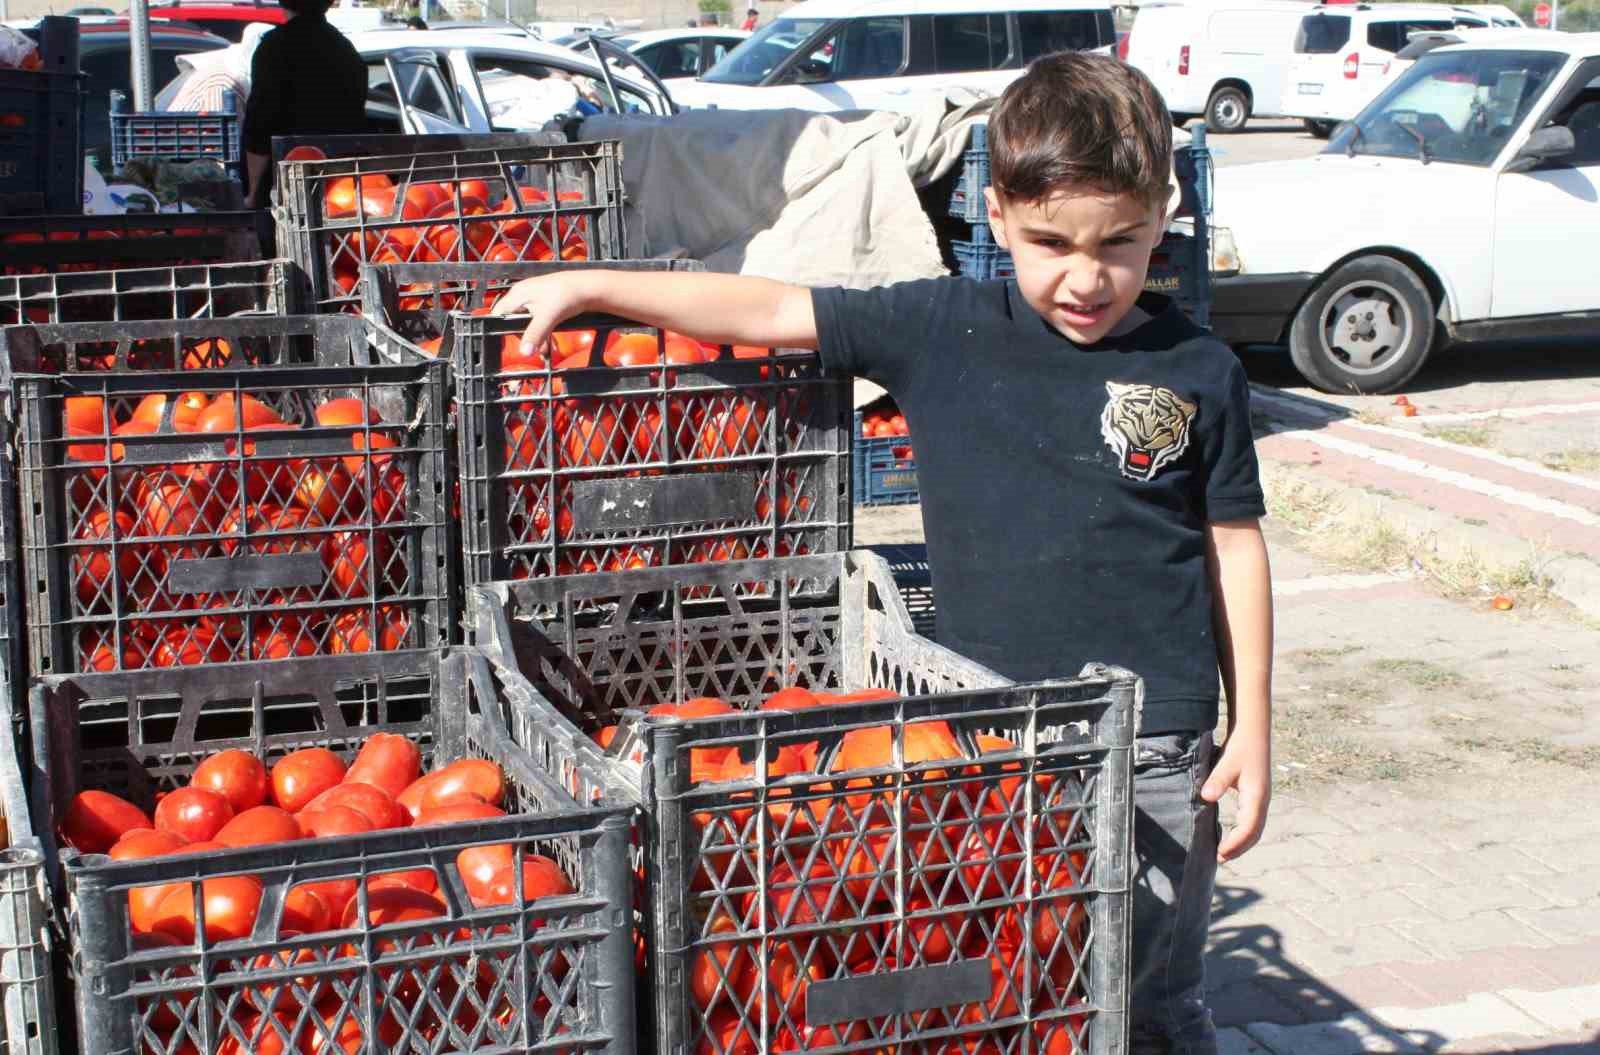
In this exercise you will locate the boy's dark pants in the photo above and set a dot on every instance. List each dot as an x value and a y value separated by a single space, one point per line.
1175 844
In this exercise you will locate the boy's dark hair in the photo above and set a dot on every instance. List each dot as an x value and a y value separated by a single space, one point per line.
1079 118
306 7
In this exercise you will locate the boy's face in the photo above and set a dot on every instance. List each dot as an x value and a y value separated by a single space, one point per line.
1081 254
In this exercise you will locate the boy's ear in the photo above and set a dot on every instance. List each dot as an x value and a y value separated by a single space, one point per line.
996 217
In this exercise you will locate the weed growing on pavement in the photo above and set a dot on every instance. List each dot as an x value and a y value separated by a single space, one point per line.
1465 435
1320 657
1531 749
1418 672
1372 417
1578 460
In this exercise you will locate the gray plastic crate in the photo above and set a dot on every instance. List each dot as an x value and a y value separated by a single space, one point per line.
549 201
178 547
547 975
138 294
932 890
575 470
27 993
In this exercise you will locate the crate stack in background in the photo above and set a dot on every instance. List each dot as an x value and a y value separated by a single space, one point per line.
41 127
180 136
1180 267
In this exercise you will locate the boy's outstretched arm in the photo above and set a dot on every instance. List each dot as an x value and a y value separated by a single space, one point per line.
727 309
1242 580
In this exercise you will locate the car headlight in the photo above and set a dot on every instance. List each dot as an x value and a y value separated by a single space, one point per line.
1224 252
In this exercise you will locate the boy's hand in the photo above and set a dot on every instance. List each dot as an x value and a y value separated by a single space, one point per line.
549 299
1245 765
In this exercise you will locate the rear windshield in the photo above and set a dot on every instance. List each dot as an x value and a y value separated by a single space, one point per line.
1392 36
1322 34
1042 32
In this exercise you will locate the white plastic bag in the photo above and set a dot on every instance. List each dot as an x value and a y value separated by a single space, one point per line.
17 52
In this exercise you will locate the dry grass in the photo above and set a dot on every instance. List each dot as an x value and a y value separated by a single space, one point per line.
1467 435
1578 460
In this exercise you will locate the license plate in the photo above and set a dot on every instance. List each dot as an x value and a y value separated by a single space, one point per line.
1310 89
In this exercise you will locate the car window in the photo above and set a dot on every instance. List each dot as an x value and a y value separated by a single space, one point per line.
1322 34
522 94
673 58
1043 32
755 59
719 51
1392 36
870 48
424 87
970 42
1581 116
229 28
1459 107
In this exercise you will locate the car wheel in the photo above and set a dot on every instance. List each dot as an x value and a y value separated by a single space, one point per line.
1227 111
1320 129
1367 328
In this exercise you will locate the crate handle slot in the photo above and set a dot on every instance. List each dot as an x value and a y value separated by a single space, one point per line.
152 451
261 571
898 992
650 501
300 446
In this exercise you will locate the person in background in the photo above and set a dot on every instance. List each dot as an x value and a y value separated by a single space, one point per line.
751 15
306 79
416 22
206 75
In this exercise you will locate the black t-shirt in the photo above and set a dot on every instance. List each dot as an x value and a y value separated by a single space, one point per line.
306 78
1065 489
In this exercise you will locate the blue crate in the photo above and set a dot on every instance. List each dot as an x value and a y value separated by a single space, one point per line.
177 135
41 142
966 197
977 255
878 478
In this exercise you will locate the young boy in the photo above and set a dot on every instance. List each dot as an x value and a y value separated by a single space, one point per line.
1088 476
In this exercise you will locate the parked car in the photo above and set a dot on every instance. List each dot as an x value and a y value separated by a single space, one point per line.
1228 61
1340 51
104 56
1461 204
827 55
680 54
225 18
424 81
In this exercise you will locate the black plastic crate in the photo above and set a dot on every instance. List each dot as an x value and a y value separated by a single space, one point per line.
537 202
204 135
162 545
996 868
41 127
138 294
458 976
883 469
574 470
39 245
913 577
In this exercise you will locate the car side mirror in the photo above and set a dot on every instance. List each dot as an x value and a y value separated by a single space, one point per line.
1547 144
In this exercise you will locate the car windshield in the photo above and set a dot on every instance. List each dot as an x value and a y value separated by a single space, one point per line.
763 52
1454 106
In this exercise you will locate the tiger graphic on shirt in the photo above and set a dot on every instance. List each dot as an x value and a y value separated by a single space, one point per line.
1146 426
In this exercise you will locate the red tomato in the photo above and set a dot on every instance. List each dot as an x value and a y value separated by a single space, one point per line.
386 761
726 1034
469 776
732 430
325 488
421 879
794 698
716 968
186 410
282 644
193 814
137 845
372 802
224 415
301 776
592 437
304 912
350 412
95 820
238 776
632 349
333 821
541 878
91 565
305 154
458 812
230 903
411 797
259 826
394 905
352 631
190 647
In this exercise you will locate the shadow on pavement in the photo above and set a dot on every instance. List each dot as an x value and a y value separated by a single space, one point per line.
1453 366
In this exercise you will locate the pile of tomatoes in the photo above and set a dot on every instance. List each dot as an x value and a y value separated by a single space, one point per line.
887 423
234 800
827 906
456 220
40 237
127 528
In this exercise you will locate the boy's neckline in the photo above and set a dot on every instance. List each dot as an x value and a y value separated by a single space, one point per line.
1151 309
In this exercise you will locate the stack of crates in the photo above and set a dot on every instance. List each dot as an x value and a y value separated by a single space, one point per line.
177 136
48 245
1180 267
238 535
883 468
41 127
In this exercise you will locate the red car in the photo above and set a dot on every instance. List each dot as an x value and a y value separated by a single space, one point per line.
225 18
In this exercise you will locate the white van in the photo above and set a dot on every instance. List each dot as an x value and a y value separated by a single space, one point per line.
827 55
1340 51
1226 60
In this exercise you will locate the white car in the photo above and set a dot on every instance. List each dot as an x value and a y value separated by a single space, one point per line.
1464 202
464 80
828 55
677 55
1340 52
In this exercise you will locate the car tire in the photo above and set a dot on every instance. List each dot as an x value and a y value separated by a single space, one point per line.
1320 129
1366 328
1227 111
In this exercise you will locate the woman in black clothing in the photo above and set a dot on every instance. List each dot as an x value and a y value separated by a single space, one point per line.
306 79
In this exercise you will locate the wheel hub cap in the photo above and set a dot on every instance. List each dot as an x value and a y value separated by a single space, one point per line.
1366 327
